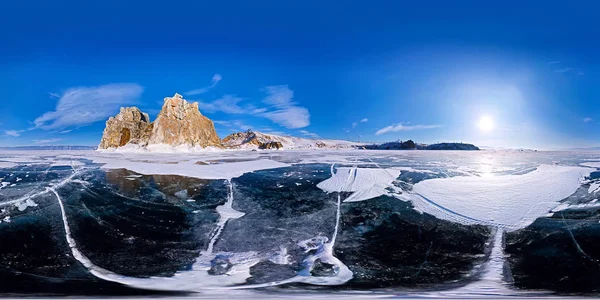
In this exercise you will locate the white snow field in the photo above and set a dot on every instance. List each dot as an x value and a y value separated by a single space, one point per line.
366 183
514 201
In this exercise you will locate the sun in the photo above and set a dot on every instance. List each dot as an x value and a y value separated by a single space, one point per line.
486 124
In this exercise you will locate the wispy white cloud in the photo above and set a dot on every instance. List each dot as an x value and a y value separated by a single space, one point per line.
400 127
278 106
13 133
235 125
254 110
215 80
309 134
227 104
47 141
65 131
54 95
363 120
274 132
564 70
82 106
587 120
283 110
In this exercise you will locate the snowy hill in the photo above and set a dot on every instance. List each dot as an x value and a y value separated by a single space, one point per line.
258 140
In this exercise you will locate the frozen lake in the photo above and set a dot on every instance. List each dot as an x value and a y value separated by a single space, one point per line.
300 223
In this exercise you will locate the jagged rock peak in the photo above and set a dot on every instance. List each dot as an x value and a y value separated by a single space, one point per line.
180 122
130 125
178 107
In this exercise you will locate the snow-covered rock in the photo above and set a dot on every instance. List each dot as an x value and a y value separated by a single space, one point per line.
258 140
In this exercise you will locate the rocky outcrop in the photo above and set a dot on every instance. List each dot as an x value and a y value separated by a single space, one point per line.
245 138
181 123
129 126
271 145
178 123
257 140
251 139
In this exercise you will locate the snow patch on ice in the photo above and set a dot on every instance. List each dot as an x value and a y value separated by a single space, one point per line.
66 163
21 206
226 212
512 201
366 183
153 166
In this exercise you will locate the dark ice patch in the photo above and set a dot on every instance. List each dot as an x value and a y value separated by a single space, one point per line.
278 212
556 254
139 227
268 271
386 243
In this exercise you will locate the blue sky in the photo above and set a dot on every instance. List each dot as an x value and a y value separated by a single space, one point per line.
381 70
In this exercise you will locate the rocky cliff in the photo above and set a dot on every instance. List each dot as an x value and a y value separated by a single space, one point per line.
178 123
129 126
181 123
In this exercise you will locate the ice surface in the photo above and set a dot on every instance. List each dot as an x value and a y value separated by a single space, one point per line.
226 212
592 164
513 201
67 163
486 196
594 203
413 170
5 164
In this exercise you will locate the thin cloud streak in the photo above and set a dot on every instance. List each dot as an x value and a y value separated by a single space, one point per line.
13 133
215 80
227 104
309 134
400 127
47 141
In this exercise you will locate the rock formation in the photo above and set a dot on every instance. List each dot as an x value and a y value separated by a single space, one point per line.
178 123
246 138
181 123
257 140
252 139
270 145
129 126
